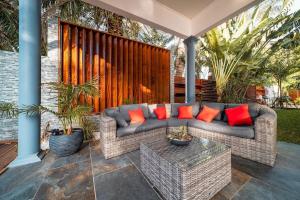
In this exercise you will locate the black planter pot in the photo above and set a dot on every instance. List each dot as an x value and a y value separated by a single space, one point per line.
65 145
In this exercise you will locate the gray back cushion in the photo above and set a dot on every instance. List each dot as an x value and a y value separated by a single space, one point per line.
114 113
111 111
125 108
175 106
219 106
254 109
121 122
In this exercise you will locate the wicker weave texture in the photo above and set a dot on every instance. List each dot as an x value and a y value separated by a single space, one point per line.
253 149
202 181
112 146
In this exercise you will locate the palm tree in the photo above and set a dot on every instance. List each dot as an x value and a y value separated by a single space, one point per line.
258 33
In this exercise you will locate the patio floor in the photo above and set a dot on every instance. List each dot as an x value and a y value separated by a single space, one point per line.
87 175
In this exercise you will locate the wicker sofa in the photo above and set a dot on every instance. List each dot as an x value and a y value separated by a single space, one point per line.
257 142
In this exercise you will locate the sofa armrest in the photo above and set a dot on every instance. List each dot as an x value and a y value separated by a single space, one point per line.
108 128
266 127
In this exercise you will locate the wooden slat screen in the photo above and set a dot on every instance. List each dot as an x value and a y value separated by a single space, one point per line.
127 70
205 90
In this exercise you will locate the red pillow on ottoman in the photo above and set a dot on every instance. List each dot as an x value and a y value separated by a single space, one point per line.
136 116
208 114
185 112
160 112
238 116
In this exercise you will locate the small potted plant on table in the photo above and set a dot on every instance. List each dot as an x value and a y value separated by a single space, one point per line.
69 109
180 137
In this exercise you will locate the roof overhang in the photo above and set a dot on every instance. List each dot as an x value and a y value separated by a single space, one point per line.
163 15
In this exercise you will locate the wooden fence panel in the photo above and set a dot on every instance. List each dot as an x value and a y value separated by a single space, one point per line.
127 70
205 90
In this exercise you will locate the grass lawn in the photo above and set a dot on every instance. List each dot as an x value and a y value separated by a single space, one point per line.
288 125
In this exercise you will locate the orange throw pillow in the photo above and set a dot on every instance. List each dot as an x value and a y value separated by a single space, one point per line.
160 113
136 116
238 116
208 114
185 112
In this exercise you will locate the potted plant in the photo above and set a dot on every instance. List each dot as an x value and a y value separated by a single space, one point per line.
70 109
180 136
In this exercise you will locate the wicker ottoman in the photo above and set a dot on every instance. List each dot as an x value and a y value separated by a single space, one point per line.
197 171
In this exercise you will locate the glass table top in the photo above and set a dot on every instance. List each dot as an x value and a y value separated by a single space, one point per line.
198 151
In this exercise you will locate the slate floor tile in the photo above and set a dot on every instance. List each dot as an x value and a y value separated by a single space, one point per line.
257 190
289 150
238 180
134 157
118 178
101 165
285 174
22 182
72 181
81 155
126 184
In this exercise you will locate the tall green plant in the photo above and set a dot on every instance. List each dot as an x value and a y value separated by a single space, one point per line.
223 68
68 109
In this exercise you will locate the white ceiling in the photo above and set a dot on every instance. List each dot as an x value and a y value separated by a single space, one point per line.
182 18
188 8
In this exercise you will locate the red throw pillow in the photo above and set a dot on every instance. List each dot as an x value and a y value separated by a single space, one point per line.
238 116
185 112
136 116
208 114
160 113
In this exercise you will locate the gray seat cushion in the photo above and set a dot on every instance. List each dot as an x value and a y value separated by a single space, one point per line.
174 108
125 108
148 125
224 128
174 122
254 109
219 106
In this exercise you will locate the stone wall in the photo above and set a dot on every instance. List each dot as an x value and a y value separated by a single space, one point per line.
8 91
9 81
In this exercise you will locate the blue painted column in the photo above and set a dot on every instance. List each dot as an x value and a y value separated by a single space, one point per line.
190 68
29 80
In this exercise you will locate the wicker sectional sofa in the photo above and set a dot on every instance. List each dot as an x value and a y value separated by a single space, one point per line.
257 142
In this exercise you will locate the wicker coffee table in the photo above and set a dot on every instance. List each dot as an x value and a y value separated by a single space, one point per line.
197 171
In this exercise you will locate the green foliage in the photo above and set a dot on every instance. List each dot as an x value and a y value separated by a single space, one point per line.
256 34
9 25
288 129
8 110
282 65
88 127
69 108
223 68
